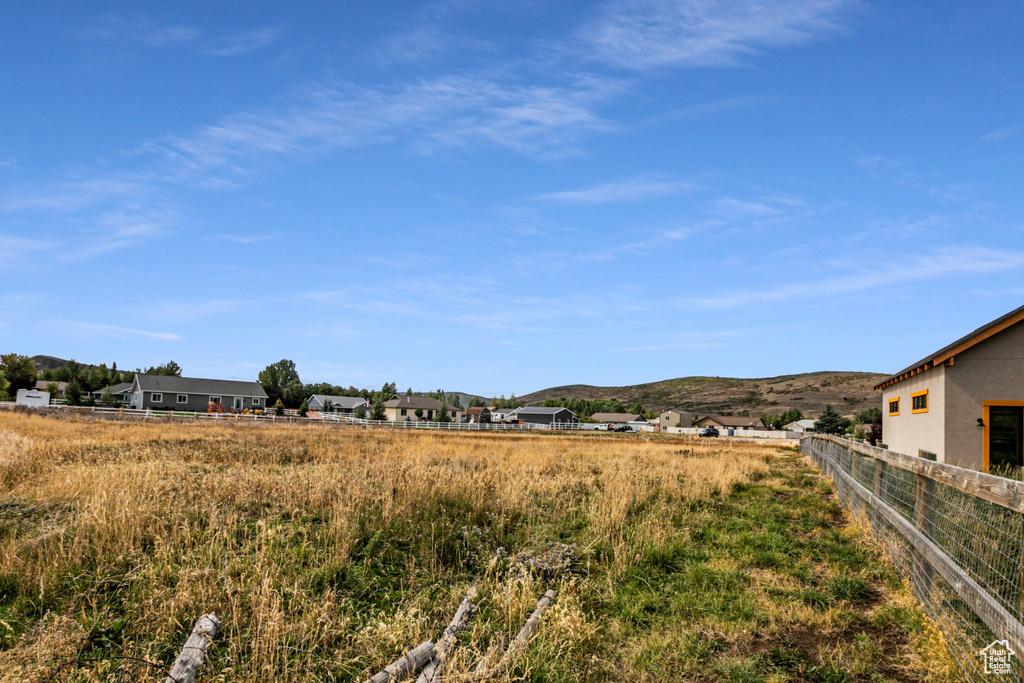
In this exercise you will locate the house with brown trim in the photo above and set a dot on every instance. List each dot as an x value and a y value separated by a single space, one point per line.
730 422
963 404
478 414
403 409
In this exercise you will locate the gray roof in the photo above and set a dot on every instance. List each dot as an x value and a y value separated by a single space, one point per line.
806 424
540 411
617 417
115 389
196 385
417 402
343 402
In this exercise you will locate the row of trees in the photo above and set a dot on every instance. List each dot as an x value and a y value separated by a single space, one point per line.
584 408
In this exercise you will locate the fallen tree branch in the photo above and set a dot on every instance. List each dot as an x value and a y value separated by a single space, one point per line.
435 666
518 643
409 663
191 658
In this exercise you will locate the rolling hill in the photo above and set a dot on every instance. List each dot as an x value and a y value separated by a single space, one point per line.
848 392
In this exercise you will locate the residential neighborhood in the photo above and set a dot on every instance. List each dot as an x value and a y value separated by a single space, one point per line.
962 404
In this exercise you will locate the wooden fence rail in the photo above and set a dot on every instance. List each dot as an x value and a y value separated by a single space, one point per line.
957 534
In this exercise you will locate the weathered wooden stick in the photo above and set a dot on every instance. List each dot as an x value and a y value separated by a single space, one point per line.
191 658
411 662
520 641
435 666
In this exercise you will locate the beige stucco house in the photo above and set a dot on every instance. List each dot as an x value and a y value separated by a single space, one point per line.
964 403
403 409
675 418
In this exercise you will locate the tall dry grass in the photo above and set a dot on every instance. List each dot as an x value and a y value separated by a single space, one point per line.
325 551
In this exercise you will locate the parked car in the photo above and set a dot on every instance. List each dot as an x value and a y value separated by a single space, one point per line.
623 428
708 431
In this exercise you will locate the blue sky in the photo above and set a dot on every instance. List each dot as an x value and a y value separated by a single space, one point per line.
502 197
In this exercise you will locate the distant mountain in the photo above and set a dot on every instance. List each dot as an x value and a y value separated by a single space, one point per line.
44 363
848 392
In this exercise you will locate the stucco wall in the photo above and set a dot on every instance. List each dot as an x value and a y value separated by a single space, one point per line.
990 371
909 432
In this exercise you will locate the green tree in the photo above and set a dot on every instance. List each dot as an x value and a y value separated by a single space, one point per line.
279 408
442 413
73 394
280 374
377 408
360 412
637 408
168 369
874 430
303 408
831 422
18 371
476 402
4 384
107 398
866 417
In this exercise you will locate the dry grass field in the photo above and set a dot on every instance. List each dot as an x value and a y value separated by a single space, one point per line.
327 552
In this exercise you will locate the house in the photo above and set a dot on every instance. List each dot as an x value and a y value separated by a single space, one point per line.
163 392
546 416
44 385
730 422
346 405
119 394
619 419
478 415
403 409
963 404
503 414
800 426
675 418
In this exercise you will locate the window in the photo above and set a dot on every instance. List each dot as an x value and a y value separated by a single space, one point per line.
919 402
156 398
182 398
215 399
404 411
894 407
255 401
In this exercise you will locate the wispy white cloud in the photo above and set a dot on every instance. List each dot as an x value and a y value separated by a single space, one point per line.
630 190
942 262
1003 133
148 34
248 239
69 196
105 331
642 34
21 250
445 112
240 43
737 209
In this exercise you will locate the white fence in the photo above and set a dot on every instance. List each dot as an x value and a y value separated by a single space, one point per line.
744 433
324 418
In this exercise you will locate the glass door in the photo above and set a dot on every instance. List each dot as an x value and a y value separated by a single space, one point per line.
1004 436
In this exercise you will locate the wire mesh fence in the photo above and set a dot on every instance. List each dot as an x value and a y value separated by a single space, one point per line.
956 534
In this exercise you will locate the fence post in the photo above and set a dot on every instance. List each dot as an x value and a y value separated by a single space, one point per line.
924 516
855 458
